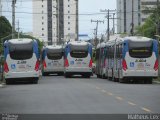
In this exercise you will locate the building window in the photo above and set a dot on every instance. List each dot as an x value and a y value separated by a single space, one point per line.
68 11
68 28
68 23
42 28
42 17
42 34
42 6
68 5
42 23
68 17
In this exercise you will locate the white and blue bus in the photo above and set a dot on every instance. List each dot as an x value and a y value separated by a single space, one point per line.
53 60
131 58
21 60
138 57
78 59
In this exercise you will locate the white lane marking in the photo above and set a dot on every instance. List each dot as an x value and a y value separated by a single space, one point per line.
103 91
145 109
109 93
131 103
98 88
119 98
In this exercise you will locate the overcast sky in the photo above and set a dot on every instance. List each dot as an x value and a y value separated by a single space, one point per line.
85 6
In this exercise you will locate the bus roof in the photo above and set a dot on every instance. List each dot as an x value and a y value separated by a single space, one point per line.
20 41
54 47
101 45
79 43
137 38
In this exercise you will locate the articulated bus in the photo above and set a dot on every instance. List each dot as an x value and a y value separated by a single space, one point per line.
21 60
53 59
132 58
78 59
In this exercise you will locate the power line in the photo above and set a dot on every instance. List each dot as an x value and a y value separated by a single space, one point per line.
82 14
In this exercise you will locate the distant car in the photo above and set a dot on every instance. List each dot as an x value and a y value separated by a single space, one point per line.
93 67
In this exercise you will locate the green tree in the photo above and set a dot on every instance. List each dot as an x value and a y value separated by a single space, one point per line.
5 27
149 28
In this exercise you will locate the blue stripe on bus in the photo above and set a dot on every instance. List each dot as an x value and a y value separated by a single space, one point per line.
67 50
125 49
90 50
155 47
35 49
44 54
6 50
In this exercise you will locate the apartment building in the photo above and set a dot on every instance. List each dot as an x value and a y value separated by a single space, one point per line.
149 4
125 8
0 8
125 12
55 21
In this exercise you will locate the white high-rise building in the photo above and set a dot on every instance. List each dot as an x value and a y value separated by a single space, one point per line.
0 8
124 13
55 20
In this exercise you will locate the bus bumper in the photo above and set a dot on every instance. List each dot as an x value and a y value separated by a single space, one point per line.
140 73
29 74
78 70
54 70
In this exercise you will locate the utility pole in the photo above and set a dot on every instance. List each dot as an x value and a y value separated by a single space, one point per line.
18 29
158 23
77 29
132 24
13 18
108 12
113 23
97 23
108 34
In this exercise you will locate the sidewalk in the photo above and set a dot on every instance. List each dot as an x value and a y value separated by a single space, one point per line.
156 81
2 84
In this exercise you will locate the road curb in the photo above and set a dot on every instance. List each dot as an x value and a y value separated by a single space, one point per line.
2 85
157 82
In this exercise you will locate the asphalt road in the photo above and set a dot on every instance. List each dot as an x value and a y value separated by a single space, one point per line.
56 94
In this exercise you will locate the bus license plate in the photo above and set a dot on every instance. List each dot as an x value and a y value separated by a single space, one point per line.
22 67
79 64
55 64
140 66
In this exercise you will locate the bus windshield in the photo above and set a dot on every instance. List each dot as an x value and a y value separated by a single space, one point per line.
55 54
140 49
79 51
21 51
